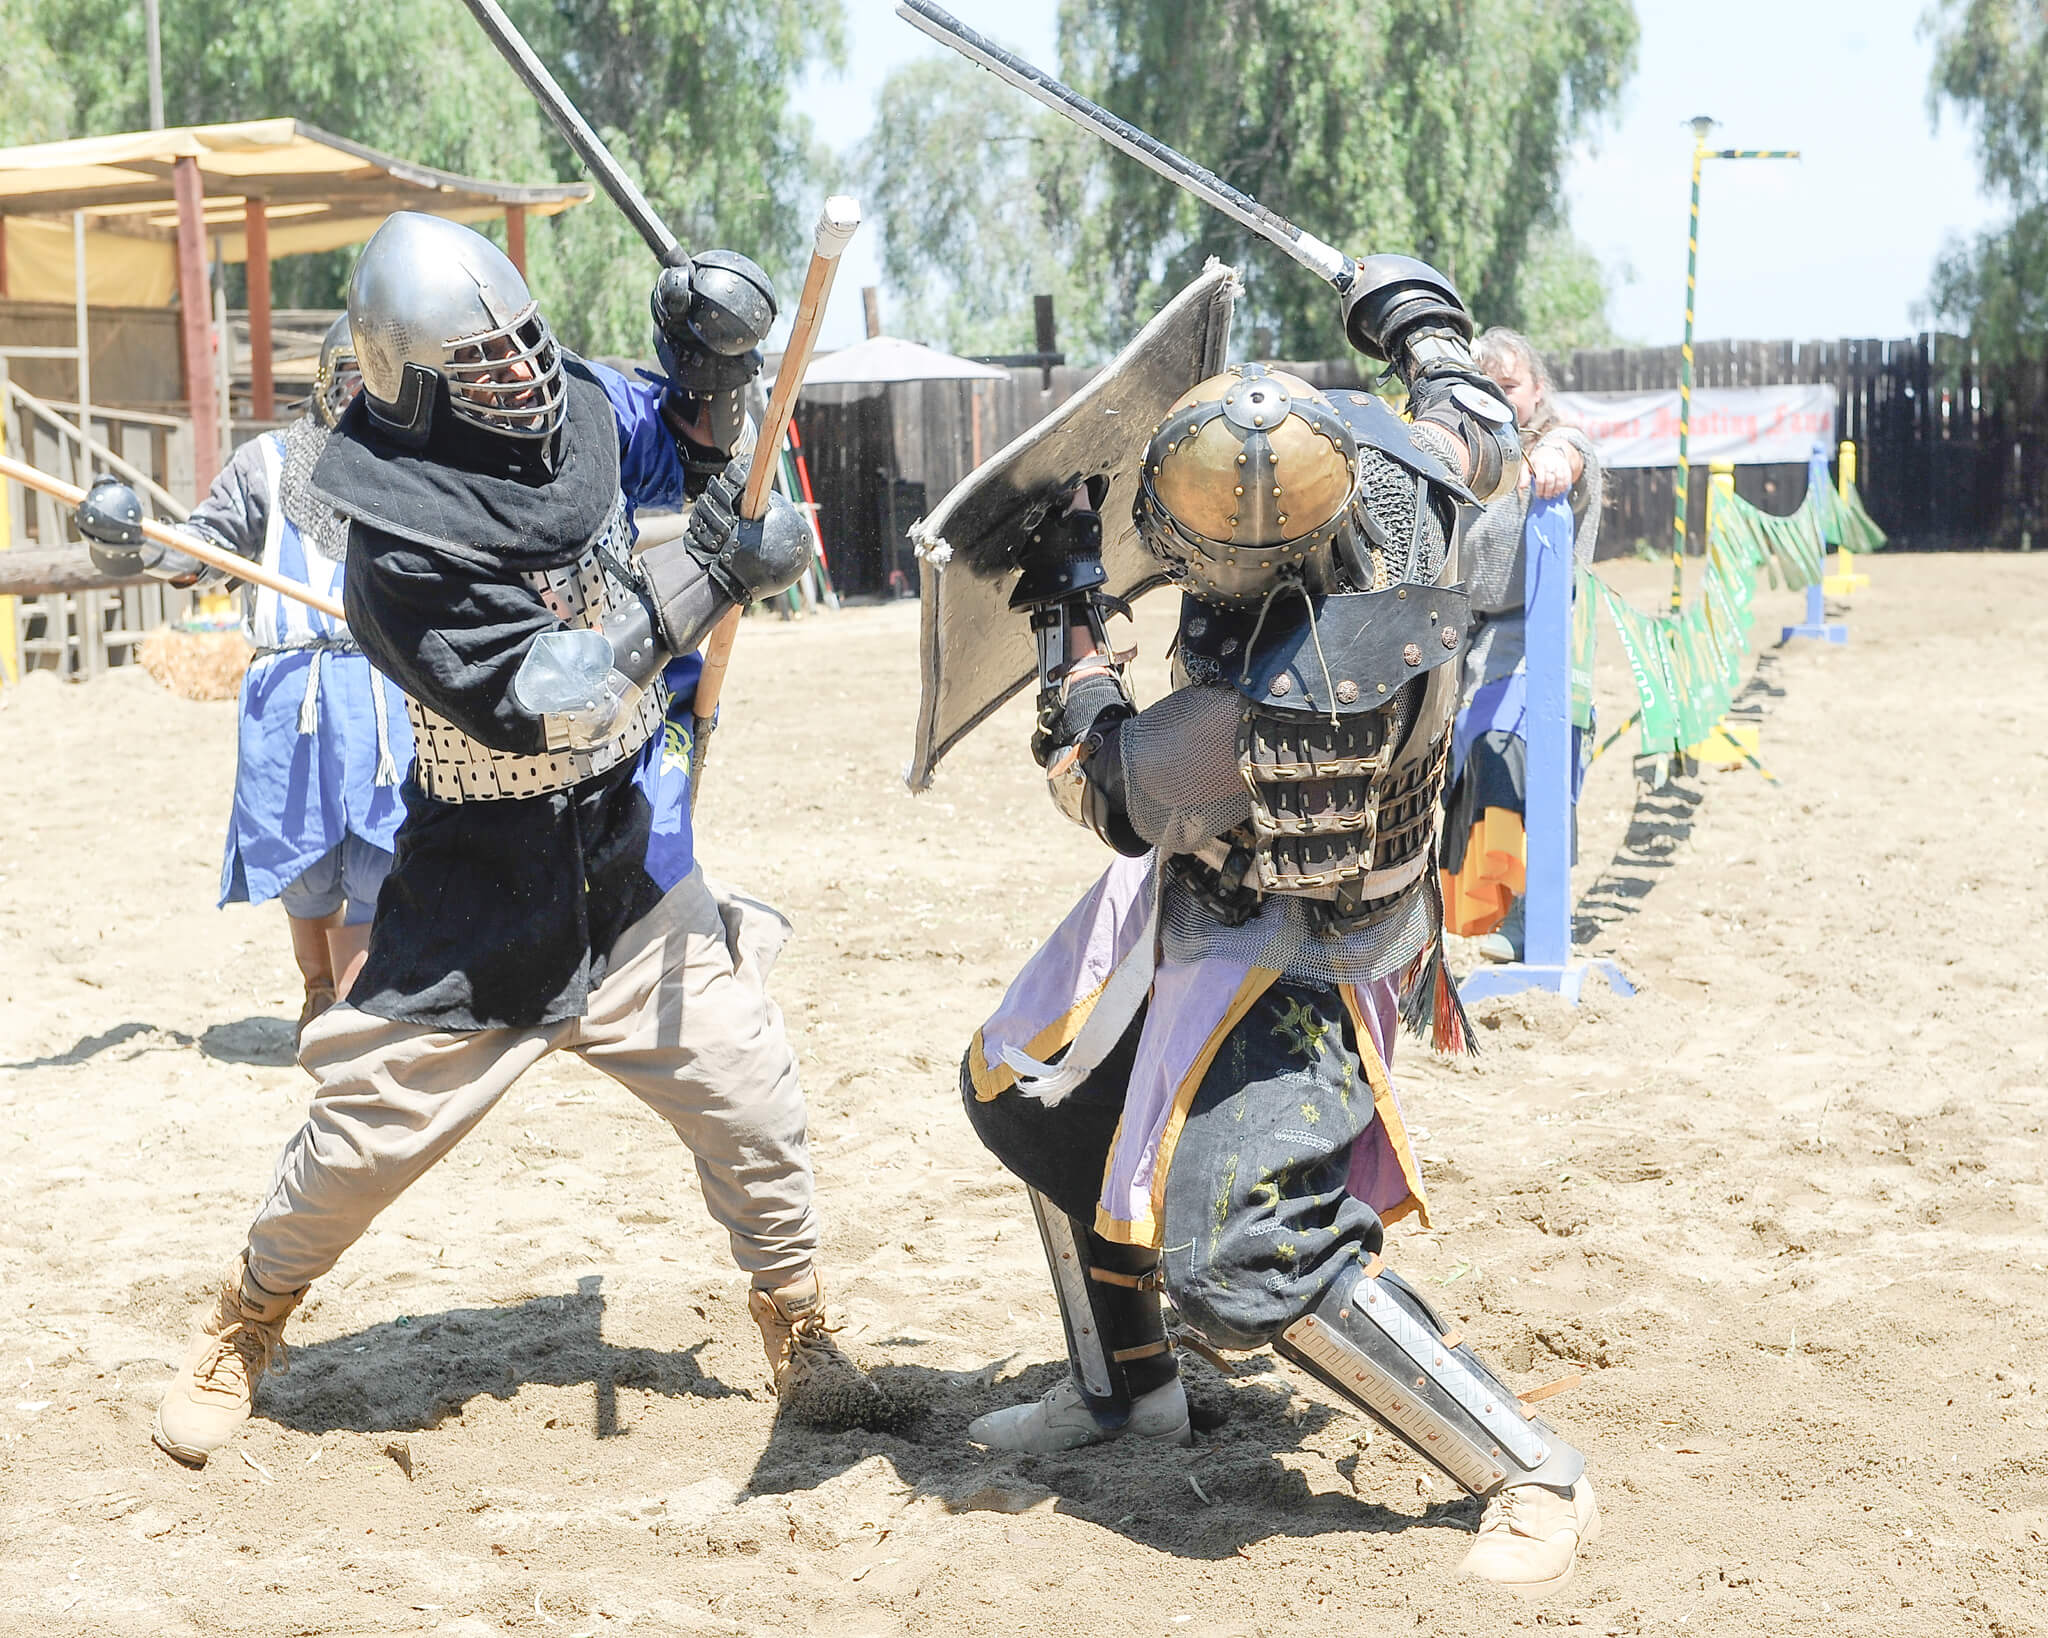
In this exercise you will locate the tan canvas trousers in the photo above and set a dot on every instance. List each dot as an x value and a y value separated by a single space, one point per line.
682 1020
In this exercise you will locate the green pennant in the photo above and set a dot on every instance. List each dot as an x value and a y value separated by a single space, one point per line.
1653 685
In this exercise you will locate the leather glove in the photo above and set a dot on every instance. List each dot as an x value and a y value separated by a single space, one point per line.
110 519
746 558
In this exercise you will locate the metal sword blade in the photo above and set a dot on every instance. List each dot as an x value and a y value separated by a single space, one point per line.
1325 261
576 131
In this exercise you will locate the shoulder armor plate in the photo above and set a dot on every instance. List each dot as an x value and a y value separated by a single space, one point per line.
1371 422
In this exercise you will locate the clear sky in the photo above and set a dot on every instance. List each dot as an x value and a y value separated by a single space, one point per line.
1839 243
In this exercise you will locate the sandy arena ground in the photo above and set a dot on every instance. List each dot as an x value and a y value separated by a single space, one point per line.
1785 1210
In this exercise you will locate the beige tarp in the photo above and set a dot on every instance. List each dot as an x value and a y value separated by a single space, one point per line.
322 192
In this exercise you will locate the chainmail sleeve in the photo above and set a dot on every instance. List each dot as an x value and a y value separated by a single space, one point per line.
1178 768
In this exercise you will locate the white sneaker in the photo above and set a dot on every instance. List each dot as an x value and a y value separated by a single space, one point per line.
1530 1536
1062 1421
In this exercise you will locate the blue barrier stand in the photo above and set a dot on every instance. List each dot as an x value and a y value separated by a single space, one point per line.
1547 962
1816 625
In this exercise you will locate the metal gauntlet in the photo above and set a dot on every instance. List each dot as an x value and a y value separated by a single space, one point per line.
1405 313
1073 737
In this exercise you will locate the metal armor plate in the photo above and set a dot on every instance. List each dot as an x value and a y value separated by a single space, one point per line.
975 652
453 767
1372 423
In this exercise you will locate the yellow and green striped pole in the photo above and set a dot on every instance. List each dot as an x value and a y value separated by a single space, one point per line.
1700 154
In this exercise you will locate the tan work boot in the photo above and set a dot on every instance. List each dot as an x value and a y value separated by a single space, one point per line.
1530 1536
814 1380
233 1343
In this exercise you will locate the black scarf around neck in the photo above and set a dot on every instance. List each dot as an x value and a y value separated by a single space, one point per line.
478 496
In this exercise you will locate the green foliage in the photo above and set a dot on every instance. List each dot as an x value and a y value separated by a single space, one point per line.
692 94
984 197
1436 127
1991 63
1561 293
35 104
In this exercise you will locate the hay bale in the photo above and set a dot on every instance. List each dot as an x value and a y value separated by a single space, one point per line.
196 665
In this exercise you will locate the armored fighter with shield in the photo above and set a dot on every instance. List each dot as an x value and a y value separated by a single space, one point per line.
1191 1074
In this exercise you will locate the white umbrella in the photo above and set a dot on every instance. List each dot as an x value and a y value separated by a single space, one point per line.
882 360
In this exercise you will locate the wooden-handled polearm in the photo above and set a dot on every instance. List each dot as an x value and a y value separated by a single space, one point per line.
835 226
836 223
213 557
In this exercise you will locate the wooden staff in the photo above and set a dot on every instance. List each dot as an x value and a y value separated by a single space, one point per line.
213 557
836 223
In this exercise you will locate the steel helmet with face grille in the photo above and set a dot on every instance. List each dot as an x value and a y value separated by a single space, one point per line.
338 377
430 301
1250 480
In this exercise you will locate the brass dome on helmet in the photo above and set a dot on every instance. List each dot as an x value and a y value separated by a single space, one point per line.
1248 480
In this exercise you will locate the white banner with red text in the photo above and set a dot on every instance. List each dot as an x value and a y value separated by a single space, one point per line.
1750 426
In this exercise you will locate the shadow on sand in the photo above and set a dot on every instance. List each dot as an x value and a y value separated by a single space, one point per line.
270 1042
418 1371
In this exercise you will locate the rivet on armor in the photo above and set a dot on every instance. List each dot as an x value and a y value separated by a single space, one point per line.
1283 685
1401 593
1258 420
1382 687
1240 460
1347 692
1412 653
1276 491
1450 636
1239 490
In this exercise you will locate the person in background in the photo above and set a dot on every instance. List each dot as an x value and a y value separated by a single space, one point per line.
1482 853
324 741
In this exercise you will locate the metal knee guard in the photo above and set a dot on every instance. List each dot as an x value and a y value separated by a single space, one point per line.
1109 1303
1376 1342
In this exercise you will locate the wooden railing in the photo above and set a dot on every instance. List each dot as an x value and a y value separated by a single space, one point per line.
80 634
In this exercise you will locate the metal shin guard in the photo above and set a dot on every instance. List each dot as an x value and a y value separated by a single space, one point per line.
1376 1342
1109 1303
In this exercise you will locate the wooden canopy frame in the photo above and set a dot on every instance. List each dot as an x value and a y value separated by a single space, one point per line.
258 189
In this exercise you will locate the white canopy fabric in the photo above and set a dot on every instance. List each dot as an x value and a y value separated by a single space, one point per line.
882 360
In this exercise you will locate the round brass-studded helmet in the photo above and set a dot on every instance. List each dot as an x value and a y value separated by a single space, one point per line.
1251 479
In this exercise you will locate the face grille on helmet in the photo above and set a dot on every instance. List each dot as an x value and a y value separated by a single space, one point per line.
509 380
336 385
430 299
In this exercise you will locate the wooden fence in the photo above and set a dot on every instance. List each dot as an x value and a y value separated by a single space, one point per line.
1952 453
880 458
80 634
